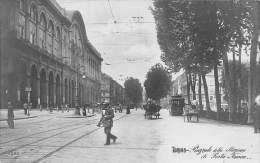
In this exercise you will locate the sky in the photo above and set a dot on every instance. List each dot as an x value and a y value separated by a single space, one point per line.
129 47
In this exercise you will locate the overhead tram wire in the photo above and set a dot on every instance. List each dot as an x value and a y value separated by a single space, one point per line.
111 11
118 22
132 33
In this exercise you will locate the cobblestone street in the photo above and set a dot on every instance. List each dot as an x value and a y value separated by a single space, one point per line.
59 138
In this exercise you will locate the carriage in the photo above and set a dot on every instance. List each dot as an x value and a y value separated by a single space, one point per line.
189 111
152 110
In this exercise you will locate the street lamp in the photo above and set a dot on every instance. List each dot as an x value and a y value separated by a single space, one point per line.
77 108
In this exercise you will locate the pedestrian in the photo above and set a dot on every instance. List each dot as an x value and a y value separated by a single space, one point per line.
120 108
256 114
128 109
244 113
29 109
62 108
194 104
10 115
25 107
107 122
84 113
67 107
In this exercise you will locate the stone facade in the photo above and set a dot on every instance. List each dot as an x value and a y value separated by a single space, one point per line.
45 49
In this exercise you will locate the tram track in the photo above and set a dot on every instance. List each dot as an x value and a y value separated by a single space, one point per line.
71 142
41 132
45 138
28 124
56 134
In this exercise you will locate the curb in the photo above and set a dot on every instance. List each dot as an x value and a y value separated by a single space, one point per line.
20 118
76 116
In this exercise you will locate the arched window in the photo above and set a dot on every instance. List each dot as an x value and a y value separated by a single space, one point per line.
22 5
20 25
33 12
58 36
42 31
58 42
50 37
51 28
33 16
43 22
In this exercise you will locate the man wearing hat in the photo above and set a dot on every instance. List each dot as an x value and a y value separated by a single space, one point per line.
107 122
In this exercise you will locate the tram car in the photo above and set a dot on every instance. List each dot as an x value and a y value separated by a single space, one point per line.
177 104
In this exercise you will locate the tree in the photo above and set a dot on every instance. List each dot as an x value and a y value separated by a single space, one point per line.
178 36
242 91
133 90
237 17
196 35
252 72
157 83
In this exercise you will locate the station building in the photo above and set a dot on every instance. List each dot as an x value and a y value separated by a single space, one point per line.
46 57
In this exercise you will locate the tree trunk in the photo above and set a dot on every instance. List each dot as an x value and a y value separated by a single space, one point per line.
199 91
217 94
234 90
206 93
193 78
239 78
228 85
188 87
252 70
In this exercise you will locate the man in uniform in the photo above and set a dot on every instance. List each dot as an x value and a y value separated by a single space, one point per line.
107 122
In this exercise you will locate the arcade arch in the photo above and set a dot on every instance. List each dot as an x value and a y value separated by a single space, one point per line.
51 89
33 84
58 91
43 88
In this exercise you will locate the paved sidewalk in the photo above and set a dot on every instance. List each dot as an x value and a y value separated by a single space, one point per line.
19 114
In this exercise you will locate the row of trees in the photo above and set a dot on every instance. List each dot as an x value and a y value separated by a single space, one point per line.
133 91
158 82
198 35
157 85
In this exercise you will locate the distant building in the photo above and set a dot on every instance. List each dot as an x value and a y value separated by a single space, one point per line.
111 91
179 87
45 51
105 87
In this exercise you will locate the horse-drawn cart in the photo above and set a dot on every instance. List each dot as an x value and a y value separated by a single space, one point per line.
189 111
152 110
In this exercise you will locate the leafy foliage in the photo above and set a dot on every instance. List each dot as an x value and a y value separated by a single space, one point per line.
194 35
174 23
133 90
157 83
243 91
